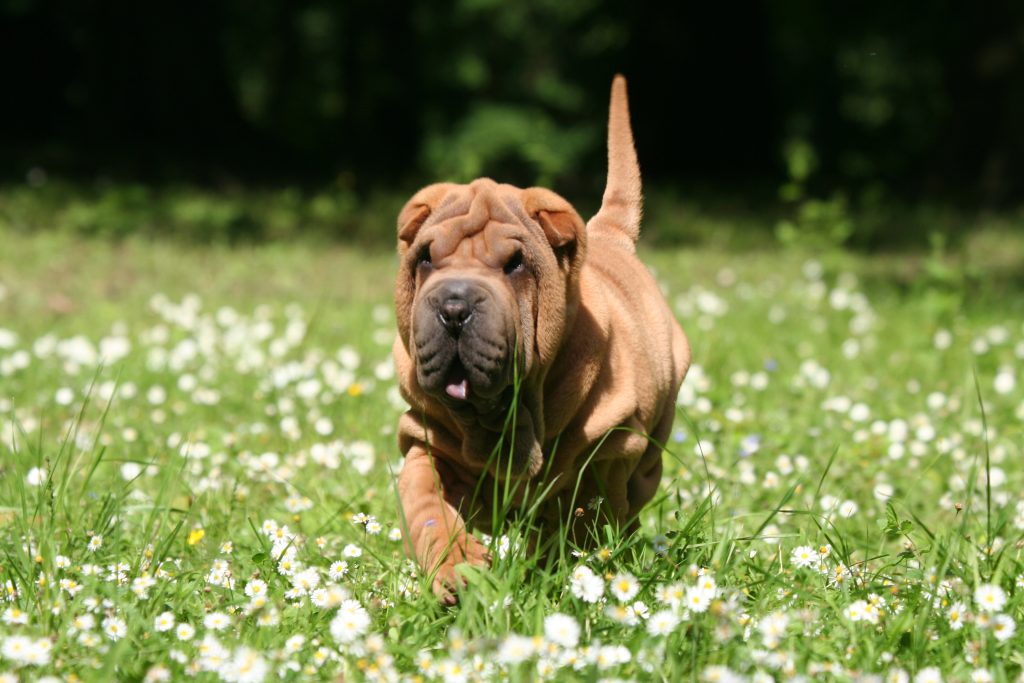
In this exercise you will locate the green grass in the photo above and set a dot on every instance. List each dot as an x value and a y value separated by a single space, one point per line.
178 398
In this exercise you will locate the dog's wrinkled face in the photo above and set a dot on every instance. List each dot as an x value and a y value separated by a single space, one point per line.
472 324
479 263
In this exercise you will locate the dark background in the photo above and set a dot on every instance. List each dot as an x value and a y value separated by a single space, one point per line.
761 102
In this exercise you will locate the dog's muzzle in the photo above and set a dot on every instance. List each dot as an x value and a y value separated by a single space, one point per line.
462 342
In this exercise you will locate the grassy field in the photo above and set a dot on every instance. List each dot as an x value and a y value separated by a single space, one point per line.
197 460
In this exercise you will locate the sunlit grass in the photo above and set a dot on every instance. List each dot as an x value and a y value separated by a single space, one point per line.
197 460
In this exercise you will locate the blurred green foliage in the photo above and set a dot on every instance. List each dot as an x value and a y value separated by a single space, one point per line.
818 117
238 215
247 214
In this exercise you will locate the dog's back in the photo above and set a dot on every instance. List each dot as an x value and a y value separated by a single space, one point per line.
629 355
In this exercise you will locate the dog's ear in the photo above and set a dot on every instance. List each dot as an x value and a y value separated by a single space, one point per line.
561 227
561 224
416 211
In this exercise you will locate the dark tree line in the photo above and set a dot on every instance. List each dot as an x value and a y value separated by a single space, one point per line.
917 100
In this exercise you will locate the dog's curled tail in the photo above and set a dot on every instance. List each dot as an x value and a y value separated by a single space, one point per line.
622 204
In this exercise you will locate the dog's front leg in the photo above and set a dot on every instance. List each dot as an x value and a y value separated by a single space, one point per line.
437 535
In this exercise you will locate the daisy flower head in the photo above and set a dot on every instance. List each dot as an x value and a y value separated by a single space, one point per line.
82 623
706 583
586 585
216 621
36 476
256 588
297 504
719 674
804 556
337 570
115 628
662 623
856 611
306 580
329 596
697 600
612 655
13 615
562 629
837 576
268 617
95 543
515 649
351 622
621 614
773 628
352 551
294 643
25 650
624 586
1003 627
185 632
164 622
989 597
897 675
671 594
244 666
956 614
929 674
157 674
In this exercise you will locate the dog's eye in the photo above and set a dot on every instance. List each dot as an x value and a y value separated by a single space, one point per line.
514 264
423 258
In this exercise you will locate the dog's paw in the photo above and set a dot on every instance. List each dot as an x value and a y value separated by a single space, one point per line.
465 549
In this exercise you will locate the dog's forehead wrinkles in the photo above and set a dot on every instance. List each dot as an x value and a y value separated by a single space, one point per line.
466 212
455 203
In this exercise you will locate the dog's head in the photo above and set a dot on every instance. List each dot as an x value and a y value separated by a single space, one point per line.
487 280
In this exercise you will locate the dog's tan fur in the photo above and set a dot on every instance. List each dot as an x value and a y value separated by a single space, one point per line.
601 359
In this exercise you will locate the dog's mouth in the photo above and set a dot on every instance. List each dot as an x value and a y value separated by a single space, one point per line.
456 383
465 399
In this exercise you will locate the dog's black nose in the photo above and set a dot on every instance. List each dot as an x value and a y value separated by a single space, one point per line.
454 312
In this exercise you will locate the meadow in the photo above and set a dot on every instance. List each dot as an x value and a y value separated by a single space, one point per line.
197 467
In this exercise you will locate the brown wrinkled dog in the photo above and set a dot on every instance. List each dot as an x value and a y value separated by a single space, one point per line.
502 288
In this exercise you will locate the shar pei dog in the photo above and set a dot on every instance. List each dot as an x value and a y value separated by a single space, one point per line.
540 361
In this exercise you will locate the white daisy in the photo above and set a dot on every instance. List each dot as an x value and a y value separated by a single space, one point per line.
804 556
164 622
586 585
350 623
115 628
216 621
697 600
662 623
562 629
989 597
1003 627
956 614
624 586
929 674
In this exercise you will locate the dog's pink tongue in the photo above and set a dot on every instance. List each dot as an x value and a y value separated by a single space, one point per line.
459 389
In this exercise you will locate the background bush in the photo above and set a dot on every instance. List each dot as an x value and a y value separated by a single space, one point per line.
887 105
